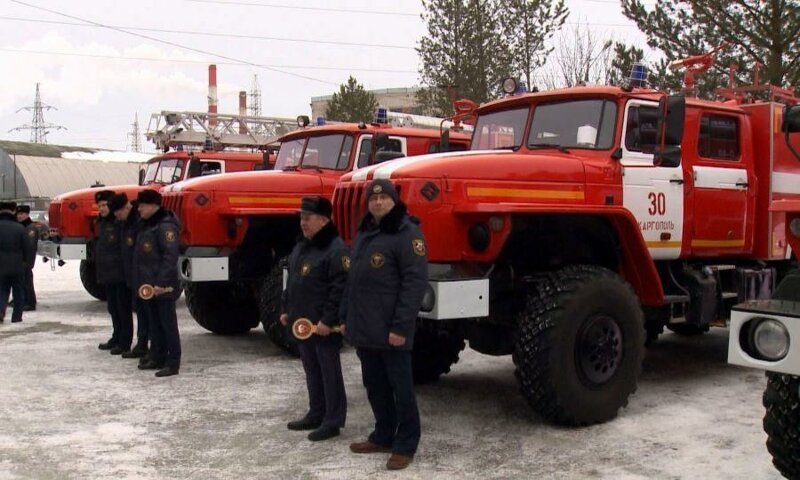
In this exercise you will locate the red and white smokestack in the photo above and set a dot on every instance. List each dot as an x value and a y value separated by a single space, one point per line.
242 111
212 96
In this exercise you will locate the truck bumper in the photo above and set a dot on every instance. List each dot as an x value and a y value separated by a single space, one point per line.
745 317
453 299
62 251
204 269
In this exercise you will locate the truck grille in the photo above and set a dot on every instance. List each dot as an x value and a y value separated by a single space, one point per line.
173 201
55 215
348 208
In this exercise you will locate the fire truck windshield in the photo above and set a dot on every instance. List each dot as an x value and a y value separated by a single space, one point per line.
322 151
578 124
164 172
503 129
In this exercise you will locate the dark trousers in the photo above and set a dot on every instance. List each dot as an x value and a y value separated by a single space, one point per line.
9 283
30 293
327 399
119 298
390 390
165 340
142 322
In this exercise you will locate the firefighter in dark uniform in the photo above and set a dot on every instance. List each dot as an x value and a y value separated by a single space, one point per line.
32 232
128 217
155 263
14 249
387 281
108 259
317 275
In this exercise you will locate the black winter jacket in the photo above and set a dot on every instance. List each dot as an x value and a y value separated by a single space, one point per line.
388 278
14 245
155 258
32 230
129 229
107 251
317 276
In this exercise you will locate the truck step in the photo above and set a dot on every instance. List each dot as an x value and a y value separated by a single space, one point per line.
730 295
670 299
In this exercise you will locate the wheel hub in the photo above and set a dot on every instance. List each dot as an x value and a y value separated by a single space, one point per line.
599 349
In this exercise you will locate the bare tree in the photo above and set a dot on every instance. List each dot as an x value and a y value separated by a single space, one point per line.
580 57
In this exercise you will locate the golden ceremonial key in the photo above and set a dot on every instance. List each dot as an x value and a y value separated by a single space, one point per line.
146 291
302 329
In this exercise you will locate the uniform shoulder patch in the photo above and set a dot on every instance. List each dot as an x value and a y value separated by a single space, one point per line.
345 263
147 247
129 241
169 236
377 260
419 246
305 269
31 233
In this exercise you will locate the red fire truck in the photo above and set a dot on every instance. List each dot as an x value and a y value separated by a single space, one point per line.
583 220
72 214
235 229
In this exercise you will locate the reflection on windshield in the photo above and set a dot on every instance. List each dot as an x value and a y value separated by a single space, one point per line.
499 129
289 154
580 124
165 171
323 151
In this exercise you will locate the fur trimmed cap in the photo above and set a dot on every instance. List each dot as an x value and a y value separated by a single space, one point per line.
103 196
118 201
149 197
23 209
319 205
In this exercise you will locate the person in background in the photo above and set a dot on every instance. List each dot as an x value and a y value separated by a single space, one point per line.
14 249
32 232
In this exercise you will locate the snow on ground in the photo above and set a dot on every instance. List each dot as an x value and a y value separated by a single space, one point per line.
71 411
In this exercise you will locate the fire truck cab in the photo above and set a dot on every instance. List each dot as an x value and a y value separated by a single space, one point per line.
236 229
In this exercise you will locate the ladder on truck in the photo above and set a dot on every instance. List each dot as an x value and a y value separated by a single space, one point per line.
214 131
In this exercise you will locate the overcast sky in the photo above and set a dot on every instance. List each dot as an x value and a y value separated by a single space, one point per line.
99 78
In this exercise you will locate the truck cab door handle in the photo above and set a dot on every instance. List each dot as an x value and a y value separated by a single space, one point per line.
678 181
742 184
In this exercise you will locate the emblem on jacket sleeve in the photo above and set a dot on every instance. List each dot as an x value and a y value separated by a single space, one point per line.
31 233
419 246
345 263
129 241
169 236
147 247
377 260
305 269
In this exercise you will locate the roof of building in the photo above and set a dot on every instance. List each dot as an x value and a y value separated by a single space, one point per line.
48 176
40 149
380 91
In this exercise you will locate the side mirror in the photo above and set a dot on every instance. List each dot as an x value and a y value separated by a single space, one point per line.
791 124
141 176
444 143
380 141
791 119
669 131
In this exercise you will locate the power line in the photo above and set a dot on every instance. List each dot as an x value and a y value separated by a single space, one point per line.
213 34
313 9
196 50
200 62
135 135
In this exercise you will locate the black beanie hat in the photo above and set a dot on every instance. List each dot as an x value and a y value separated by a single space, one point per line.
103 196
24 209
117 201
382 185
149 196
319 205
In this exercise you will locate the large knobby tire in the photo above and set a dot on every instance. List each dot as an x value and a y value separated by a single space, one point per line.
435 350
269 311
88 272
580 346
688 329
782 422
221 307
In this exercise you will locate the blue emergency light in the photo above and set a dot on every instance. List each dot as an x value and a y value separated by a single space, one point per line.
320 121
381 115
638 76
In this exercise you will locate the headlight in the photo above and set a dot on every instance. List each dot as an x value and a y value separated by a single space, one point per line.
794 227
428 300
479 237
510 85
771 339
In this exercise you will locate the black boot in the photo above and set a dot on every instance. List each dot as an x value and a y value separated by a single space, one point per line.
323 433
167 372
304 423
137 352
150 365
107 346
119 350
